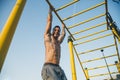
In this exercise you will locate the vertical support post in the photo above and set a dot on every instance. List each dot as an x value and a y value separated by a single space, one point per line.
80 62
75 0
70 42
9 29
117 65
86 72
117 50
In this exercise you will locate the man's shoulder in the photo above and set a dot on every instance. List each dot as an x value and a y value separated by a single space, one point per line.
47 37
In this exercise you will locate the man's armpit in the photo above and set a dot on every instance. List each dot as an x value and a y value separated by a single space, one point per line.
47 37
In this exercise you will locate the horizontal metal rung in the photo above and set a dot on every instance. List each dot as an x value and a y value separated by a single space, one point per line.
91 34
101 15
103 74
93 7
92 39
100 67
67 5
92 27
99 58
97 49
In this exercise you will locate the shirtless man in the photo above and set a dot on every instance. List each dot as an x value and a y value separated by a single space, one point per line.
51 69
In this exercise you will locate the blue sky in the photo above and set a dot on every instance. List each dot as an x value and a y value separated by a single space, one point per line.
25 57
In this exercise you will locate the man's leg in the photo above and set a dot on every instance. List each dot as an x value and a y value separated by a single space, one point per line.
49 73
63 76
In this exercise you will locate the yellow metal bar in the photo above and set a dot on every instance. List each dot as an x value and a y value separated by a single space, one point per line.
67 5
98 58
91 34
117 65
89 28
114 31
92 39
117 48
97 49
70 42
101 15
100 67
103 74
86 72
80 62
60 19
116 34
84 11
8 31
106 11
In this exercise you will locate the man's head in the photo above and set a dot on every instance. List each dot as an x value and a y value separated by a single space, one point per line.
56 31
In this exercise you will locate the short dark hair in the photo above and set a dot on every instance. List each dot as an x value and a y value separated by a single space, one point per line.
56 27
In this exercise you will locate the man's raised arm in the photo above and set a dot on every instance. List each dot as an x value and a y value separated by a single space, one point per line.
63 33
49 22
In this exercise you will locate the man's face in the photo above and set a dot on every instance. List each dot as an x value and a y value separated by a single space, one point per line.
56 32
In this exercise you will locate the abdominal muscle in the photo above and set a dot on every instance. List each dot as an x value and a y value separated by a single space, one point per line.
52 54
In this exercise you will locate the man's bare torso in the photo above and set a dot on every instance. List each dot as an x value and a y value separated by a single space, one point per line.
52 50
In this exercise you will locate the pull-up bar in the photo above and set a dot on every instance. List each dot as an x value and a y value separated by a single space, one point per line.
93 7
60 19
67 5
88 20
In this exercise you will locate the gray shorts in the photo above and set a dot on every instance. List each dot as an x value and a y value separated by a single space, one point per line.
52 72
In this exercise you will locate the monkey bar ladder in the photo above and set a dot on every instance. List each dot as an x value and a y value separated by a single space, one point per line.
97 61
